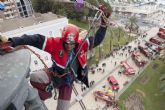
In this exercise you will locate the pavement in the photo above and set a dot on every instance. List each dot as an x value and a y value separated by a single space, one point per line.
100 78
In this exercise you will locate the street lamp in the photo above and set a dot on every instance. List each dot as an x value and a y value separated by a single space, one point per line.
100 51
110 46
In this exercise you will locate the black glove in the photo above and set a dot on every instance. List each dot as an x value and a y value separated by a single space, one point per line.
106 14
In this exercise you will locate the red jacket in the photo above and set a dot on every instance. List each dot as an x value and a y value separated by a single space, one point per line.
55 47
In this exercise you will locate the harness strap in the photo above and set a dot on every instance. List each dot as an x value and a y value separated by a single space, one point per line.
49 73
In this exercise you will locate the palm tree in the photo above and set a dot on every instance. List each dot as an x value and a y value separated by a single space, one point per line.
111 38
120 31
162 78
132 25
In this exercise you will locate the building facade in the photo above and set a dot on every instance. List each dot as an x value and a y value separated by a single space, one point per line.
25 8
16 8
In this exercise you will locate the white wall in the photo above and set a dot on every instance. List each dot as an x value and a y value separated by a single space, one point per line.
50 28
44 28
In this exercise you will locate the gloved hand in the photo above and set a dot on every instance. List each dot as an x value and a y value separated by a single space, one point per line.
106 14
5 45
3 38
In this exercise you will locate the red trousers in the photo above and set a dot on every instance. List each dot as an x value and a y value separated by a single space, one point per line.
40 80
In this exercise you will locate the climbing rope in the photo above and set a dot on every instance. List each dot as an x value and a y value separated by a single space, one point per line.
80 100
46 69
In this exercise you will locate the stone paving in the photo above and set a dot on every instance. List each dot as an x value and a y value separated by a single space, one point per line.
100 78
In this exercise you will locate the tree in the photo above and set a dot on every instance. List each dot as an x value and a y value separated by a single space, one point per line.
120 29
132 25
66 8
111 39
42 6
162 83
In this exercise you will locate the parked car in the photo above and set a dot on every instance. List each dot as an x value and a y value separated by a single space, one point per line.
127 69
102 95
161 35
162 30
114 83
146 51
156 40
115 108
155 48
139 61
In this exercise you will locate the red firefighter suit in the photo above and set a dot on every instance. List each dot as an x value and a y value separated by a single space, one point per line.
62 62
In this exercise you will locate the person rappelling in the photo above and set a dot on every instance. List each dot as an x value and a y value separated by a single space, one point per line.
69 56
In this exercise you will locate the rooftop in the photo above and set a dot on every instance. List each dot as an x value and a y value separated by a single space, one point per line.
8 25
